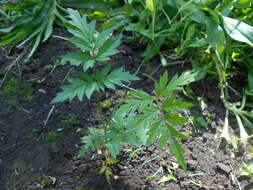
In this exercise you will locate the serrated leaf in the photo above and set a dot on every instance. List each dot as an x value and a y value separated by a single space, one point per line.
78 21
176 133
177 83
154 131
164 137
141 95
103 36
76 59
108 48
116 77
142 102
172 104
81 43
174 119
88 64
177 149
92 141
114 147
77 87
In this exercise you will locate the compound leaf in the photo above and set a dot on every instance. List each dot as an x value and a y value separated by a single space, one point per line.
108 48
171 105
91 141
103 36
116 77
76 59
174 119
77 87
177 149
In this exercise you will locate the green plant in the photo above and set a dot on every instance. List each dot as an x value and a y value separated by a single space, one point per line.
34 21
142 119
68 124
209 27
157 116
52 139
95 49
14 87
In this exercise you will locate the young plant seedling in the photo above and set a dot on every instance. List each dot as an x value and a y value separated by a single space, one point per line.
95 49
143 119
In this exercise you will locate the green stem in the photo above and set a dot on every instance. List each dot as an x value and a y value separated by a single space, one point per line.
153 25
100 112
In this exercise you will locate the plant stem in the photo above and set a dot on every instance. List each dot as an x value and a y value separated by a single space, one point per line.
100 112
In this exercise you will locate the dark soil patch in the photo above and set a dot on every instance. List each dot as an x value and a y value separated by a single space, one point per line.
28 162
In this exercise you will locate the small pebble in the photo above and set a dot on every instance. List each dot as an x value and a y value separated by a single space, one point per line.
42 91
224 168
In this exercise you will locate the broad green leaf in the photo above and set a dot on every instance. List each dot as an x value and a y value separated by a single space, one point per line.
215 34
238 30
115 22
242 3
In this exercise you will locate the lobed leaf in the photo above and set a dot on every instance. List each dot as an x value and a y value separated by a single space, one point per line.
172 105
77 87
116 77
108 48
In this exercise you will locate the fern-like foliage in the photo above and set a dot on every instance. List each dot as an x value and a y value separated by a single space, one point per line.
144 119
159 114
94 47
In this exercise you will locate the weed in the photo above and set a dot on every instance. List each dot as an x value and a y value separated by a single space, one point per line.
68 124
14 88
157 114
52 139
